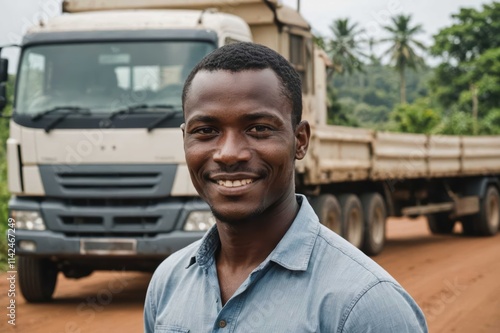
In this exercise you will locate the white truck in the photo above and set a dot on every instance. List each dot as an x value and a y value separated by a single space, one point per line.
95 156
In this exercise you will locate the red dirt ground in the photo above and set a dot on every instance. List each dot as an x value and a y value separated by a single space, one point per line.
454 279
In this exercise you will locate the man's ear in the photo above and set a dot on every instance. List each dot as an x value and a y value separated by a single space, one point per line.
183 127
302 135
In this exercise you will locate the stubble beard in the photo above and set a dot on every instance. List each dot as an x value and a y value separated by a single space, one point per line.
236 221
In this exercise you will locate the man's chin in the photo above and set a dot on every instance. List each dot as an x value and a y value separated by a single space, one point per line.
235 217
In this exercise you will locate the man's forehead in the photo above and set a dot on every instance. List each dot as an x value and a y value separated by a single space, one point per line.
222 81
204 73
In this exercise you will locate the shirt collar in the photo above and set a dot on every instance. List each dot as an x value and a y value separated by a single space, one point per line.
292 252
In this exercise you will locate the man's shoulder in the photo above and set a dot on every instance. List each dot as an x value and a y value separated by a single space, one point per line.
362 286
340 257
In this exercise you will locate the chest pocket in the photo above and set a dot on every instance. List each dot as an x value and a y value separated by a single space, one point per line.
170 329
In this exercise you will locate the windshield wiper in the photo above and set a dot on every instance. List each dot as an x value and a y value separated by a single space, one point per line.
68 110
141 108
166 111
165 117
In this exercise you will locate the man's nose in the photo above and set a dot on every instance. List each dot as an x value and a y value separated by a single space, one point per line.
232 149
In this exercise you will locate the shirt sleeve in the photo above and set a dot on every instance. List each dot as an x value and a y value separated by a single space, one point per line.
149 311
385 307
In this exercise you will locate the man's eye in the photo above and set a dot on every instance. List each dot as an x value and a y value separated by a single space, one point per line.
260 129
204 130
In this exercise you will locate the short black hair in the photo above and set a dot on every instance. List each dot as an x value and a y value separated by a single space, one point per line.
244 56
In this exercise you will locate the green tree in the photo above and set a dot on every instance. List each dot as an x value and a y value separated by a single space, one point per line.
338 114
403 47
491 123
344 48
456 122
419 117
369 96
468 78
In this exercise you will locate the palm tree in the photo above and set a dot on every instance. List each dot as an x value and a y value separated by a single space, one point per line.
374 59
402 50
344 48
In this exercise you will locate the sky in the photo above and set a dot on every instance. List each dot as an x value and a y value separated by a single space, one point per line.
371 15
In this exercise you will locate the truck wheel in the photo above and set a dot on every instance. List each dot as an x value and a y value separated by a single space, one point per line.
327 208
487 221
440 224
375 214
37 279
352 219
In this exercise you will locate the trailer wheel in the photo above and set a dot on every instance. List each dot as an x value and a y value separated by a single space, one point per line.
328 210
440 224
37 279
487 221
352 219
375 214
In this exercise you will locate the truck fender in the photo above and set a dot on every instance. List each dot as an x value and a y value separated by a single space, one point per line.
478 186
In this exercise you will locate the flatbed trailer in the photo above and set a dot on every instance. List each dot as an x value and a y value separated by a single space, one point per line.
358 177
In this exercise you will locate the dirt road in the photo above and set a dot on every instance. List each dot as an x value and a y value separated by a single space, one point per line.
455 279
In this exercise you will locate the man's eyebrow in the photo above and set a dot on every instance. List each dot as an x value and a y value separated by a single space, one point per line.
202 118
253 116
262 115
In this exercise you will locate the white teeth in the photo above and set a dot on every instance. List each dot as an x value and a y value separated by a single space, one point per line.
234 183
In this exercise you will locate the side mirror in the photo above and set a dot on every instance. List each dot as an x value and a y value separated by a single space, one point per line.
4 67
3 95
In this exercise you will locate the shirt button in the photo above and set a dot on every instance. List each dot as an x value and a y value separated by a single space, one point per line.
222 323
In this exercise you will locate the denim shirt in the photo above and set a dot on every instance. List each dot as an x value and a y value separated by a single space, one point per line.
313 281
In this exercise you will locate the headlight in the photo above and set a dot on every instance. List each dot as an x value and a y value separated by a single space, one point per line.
199 221
28 220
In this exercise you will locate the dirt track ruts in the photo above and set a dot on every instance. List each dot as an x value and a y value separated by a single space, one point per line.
454 279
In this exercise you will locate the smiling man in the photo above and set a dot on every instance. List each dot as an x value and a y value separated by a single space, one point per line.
268 265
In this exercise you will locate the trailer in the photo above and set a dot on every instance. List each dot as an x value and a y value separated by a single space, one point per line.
95 160
358 177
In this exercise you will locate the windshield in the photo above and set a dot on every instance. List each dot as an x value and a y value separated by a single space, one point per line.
105 77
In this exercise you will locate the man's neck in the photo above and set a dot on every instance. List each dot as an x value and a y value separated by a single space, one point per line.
246 245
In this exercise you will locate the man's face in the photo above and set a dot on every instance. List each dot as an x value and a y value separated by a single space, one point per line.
240 144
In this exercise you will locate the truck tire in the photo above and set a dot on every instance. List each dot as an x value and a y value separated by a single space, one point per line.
37 279
440 224
328 210
486 222
375 215
352 219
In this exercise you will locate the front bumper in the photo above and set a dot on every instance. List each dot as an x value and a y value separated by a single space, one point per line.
155 229
51 244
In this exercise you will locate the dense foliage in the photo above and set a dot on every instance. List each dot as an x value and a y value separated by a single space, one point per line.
368 97
461 95
468 79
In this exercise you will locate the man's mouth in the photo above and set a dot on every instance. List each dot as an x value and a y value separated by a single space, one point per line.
234 183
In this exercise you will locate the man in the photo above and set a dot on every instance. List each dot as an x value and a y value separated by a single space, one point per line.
268 265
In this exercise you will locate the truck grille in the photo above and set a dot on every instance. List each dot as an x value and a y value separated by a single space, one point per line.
117 221
147 220
136 220
100 181
81 220
113 235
